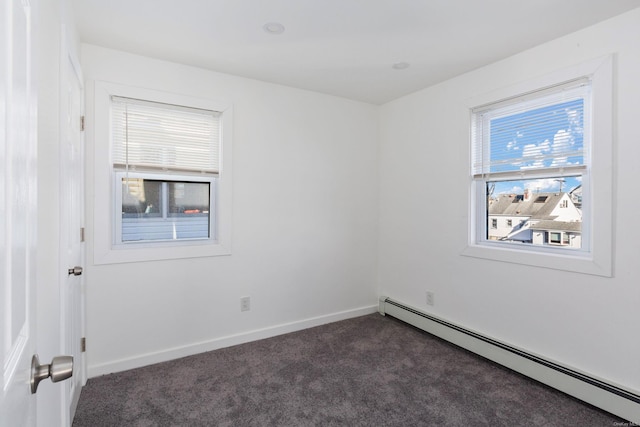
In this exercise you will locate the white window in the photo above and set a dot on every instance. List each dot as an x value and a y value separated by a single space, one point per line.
542 151
163 175
165 159
528 152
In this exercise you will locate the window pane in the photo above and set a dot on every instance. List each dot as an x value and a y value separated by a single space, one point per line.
188 198
154 210
535 211
547 137
141 197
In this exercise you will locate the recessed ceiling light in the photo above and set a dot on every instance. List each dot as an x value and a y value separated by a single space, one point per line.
400 66
273 28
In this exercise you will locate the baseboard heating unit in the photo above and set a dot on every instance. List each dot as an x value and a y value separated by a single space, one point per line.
602 394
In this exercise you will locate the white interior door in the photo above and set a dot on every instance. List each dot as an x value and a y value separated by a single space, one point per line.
71 226
18 215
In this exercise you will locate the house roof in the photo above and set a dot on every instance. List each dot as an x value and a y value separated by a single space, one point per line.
539 206
557 226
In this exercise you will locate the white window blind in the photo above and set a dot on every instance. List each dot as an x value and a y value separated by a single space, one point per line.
150 136
539 132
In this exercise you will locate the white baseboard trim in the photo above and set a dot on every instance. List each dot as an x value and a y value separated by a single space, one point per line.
599 392
228 341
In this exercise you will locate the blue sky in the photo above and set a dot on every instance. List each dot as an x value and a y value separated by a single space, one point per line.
547 185
545 137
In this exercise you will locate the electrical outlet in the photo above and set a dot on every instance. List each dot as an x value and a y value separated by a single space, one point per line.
430 298
245 303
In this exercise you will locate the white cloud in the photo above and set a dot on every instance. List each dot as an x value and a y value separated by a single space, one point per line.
536 164
562 141
573 117
534 150
542 185
516 189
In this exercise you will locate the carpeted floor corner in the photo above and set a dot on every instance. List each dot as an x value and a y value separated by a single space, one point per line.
367 371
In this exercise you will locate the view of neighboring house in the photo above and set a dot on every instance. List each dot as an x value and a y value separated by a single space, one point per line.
539 219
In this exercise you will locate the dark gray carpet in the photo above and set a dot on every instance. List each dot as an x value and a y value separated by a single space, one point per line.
367 371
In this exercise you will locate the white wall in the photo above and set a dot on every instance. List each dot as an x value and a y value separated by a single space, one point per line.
308 196
588 322
304 224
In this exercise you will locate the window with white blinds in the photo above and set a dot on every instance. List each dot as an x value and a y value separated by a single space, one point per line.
540 169
163 175
155 136
541 132
530 164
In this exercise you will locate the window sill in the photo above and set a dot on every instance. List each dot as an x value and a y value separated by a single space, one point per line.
578 263
137 253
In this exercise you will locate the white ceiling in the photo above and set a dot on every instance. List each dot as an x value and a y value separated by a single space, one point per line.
339 47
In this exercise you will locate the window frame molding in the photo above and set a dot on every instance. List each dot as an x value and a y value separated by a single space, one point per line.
598 258
105 250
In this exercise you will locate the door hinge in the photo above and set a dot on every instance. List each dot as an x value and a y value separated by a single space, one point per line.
83 344
81 234
81 123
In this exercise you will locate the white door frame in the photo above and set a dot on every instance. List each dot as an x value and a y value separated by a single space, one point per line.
72 320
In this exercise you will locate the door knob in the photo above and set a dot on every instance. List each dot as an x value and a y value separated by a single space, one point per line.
76 271
60 369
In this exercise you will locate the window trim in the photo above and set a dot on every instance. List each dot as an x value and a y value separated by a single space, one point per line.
597 259
105 251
